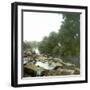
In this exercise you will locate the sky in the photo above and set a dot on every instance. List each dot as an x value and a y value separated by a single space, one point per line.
38 25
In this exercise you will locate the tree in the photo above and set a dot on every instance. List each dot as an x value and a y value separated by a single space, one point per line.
34 44
69 34
48 43
26 45
30 45
67 41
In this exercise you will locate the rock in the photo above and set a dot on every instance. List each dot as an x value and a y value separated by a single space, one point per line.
58 59
58 67
42 65
33 70
54 73
44 73
70 64
50 58
30 69
29 72
27 53
77 71
59 64
42 58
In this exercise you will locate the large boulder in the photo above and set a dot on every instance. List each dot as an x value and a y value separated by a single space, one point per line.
30 69
29 72
33 70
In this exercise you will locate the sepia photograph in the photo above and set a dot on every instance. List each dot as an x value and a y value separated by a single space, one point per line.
51 44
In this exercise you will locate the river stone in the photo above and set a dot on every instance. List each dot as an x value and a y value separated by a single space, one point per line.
29 72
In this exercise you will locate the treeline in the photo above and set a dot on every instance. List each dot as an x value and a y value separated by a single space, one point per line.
67 41
30 45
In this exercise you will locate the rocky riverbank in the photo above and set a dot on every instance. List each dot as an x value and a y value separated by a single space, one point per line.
41 65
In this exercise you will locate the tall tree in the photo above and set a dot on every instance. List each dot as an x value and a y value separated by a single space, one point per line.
69 34
67 41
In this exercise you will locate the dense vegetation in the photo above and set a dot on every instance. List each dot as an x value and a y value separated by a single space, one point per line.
67 41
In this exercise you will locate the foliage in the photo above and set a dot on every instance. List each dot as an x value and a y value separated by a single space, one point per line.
26 45
48 44
30 45
67 41
69 34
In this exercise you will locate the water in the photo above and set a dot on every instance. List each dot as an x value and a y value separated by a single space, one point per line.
44 65
36 51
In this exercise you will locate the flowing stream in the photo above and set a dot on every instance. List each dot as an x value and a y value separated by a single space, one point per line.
36 50
45 65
